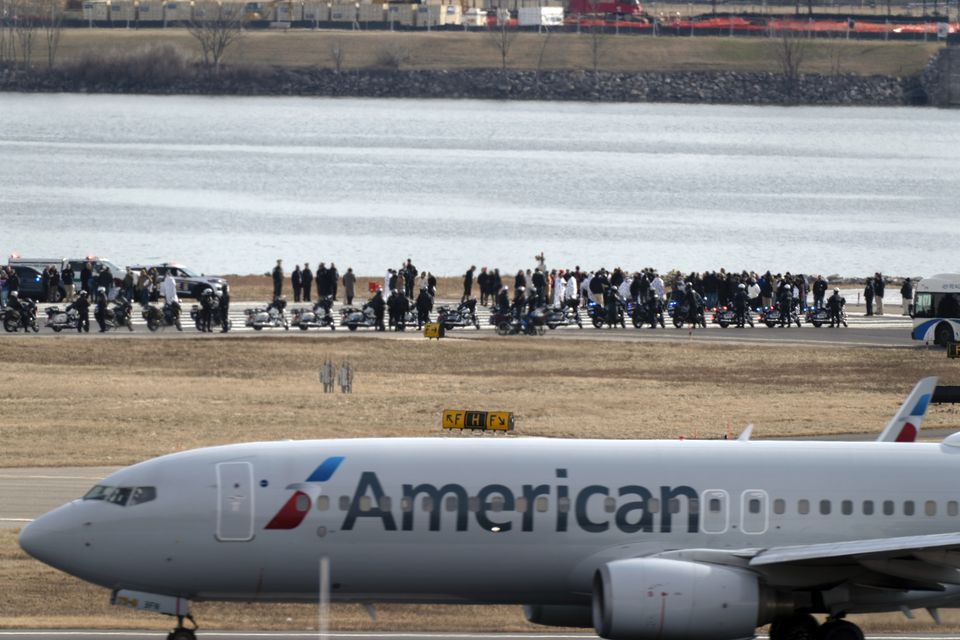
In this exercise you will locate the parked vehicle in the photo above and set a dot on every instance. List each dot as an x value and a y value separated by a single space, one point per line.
317 317
683 312
724 316
817 316
531 324
563 316
649 312
354 318
190 284
770 316
58 319
167 316
465 315
31 284
25 319
270 317
599 315
118 314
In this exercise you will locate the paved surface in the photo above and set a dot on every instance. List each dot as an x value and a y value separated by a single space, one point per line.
15 634
876 331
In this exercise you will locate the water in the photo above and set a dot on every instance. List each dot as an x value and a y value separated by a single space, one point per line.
230 184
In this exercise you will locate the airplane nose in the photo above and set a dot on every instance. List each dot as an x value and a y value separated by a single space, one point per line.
46 538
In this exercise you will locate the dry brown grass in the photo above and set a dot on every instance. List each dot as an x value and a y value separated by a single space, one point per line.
138 398
459 50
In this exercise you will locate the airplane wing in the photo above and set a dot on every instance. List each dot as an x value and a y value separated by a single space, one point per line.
932 546
905 424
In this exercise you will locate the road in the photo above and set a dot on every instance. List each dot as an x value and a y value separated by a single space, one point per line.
16 634
878 331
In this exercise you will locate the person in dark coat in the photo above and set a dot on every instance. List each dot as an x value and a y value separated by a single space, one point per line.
468 283
835 307
403 307
82 305
296 279
432 283
86 274
879 285
424 306
483 282
306 277
101 311
278 279
410 276
819 291
539 285
868 294
322 283
45 285
105 279
377 304
503 300
333 278
224 308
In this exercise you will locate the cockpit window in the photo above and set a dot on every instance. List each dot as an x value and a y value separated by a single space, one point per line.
122 496
99 492
119 495
142 494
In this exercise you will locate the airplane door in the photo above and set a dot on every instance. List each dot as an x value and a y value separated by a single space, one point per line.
715 510
234 501
753 511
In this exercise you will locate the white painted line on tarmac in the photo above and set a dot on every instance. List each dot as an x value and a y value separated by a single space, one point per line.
16 477
16 519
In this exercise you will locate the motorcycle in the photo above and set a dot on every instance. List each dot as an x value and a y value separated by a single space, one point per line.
13 320
681 313
819 316
58 319
118 314
770 316
465 315
530 324
271 317
649 312
563 316
168 316
318 317
599 316
353 318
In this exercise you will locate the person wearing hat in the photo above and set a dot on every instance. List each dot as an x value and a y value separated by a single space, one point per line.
906 292
835 306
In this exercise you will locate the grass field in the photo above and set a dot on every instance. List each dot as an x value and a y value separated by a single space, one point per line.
458 50
96 402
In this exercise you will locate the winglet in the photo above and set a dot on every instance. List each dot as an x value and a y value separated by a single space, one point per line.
745 434
905 425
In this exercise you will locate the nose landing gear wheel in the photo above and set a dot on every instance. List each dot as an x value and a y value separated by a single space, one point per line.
183 633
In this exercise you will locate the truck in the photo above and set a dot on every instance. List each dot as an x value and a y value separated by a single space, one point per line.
540 16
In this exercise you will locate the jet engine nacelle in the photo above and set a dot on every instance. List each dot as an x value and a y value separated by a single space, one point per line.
557 615
655 599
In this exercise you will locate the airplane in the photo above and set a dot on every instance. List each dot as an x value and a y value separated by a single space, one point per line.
638 539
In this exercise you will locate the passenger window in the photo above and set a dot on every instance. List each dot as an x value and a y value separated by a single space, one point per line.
427 503
779 506
753 505
406 504
386 503
952 508
714 505
803 507
302 503
119 496
888 507
563 505
868 507
344 503
908 508
365 503
653 505
930 508
143 494
673 504
496 503
450 503
610 504
323 503
543 504
825 507
846 507
521 505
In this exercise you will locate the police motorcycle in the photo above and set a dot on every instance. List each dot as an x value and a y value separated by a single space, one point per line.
530 323
465 315
353 318
317 317
770 316
600 315
58 319
118 314
168 316
818 316
271 317
26 318
648 312
565 315
682 313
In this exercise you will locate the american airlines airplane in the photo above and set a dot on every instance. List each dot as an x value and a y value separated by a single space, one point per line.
641 540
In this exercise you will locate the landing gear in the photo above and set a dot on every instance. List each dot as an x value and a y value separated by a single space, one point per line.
803 626
183 633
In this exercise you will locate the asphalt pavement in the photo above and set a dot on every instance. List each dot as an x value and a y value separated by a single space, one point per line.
68 634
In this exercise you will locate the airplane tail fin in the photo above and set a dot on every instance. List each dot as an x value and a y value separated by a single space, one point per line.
905 425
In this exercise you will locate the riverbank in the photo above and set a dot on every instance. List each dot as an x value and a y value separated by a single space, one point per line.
467 65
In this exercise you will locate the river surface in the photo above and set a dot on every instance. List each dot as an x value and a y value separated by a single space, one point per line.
229 185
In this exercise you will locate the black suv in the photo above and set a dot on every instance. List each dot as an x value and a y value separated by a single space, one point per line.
30 279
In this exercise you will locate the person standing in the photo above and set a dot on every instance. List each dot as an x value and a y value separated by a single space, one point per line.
278 279
3 287
127 286
53 284
835 307
411 276
432 284
376 303
483 282
225 308
168 289
468 283
878 288
105 280
906 292
321 277
44 284
819 291
424 306
82 305
296 281
67 276
100 313
868 294
307 277
349 282
334 278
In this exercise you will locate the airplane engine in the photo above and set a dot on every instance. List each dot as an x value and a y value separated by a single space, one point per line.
553 615
655 599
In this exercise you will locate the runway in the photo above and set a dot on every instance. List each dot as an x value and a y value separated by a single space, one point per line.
16 634
890 331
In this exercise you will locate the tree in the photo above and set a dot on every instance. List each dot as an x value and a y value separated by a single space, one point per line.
52 21
25 16
215 28
337 54
790 49
502 37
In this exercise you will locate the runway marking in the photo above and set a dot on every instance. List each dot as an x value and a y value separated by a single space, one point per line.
16 477
16 519
371 634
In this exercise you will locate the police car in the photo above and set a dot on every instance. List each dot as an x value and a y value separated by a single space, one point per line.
190 284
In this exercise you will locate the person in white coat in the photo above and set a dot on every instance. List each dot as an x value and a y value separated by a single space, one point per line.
585 288
168 289
558 289
657 286
571 288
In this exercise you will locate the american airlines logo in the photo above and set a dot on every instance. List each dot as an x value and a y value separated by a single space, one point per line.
632 508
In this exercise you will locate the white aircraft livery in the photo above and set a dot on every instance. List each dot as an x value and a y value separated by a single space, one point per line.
641 540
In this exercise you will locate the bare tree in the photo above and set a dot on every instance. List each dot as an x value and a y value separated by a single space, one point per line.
52 28
541 56
598 39
502 37
790 50
25 19
6 33
337 54
215 28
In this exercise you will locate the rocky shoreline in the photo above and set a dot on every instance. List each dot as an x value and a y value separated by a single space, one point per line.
720 87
